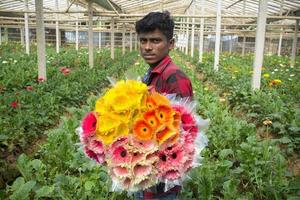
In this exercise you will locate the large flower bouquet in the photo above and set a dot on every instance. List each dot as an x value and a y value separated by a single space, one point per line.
142 137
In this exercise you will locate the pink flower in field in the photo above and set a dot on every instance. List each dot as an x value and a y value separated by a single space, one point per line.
14 104
89 124
41 79
64 70
29 88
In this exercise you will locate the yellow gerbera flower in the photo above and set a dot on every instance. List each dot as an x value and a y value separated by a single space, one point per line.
266 75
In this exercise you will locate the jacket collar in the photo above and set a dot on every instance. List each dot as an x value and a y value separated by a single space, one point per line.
162 65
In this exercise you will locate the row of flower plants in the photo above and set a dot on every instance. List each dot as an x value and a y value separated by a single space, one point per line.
235 165
29 105
274 109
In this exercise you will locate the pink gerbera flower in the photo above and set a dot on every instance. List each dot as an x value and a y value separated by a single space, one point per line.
89 124
100 158
96 146
143 146
120 156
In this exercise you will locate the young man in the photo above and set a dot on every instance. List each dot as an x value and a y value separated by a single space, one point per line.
155 32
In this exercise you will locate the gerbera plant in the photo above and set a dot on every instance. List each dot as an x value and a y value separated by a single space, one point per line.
143 137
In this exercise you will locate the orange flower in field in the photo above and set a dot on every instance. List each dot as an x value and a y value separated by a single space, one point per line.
164 114
151 119
142 130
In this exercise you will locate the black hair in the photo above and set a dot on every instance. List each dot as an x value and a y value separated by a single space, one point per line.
156 20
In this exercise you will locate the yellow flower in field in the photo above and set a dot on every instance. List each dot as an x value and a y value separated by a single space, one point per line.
267 122
266 75
235 71
263 68
275 82
206 89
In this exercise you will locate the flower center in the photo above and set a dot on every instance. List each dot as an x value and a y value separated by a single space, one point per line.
174 155
123 153
163 157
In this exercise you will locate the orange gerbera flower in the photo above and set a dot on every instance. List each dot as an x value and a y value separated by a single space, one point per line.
165 134
156 99
151 119
142 130
164 114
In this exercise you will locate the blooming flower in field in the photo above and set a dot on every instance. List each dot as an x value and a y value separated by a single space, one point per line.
29 88
267 122
276 70
4 62
14 104
275 82
64 70
266 75
291 75
41 79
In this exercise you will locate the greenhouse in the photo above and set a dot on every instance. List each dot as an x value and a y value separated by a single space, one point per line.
140 99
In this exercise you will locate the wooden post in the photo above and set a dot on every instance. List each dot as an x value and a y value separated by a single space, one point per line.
218 35
22 35
90 34
40 38
259 43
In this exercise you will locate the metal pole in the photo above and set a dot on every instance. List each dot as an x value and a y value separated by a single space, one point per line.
40 38
57 28
76 31
90 34
281 30
22 35
100 35
130 42
259 43
123 39
201 36
244 37
218 35
187 37
26 28
193 32
294 47
112 39
135 42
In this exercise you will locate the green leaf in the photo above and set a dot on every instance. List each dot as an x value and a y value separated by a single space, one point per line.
18 183
225 152
89 185
23 191
285 140
44 191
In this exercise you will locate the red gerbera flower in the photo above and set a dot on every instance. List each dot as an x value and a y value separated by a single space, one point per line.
29 87
14 104
89 124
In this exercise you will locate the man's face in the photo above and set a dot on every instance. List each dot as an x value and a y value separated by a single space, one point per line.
154 46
